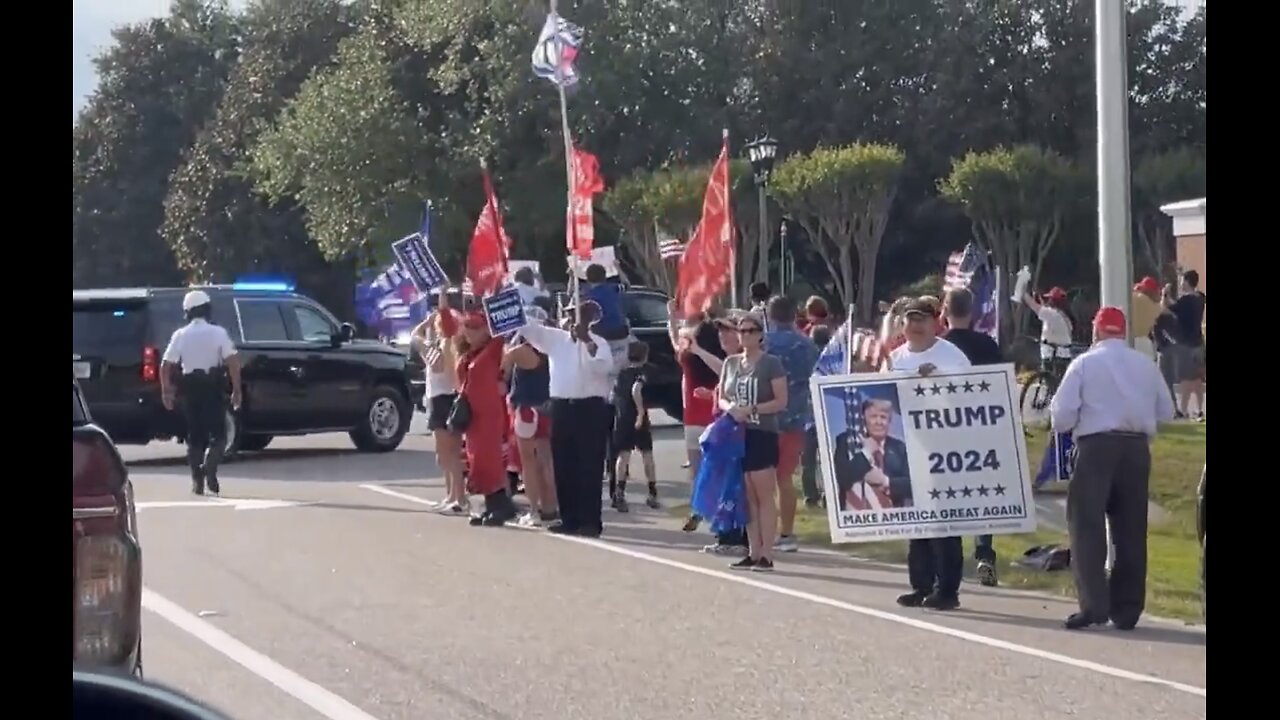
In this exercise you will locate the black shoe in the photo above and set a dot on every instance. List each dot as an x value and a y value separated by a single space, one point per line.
620 504
562 529
494 519
763 565
592 533
987 574
212 483
478 520
938 601
746 563
1077 621
549 517
197 488
652 502
812 503
1124 623
915 598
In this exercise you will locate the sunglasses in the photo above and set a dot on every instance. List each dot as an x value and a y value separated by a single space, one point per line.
748 329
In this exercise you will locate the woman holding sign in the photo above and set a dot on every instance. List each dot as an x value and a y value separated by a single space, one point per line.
480 413
753 390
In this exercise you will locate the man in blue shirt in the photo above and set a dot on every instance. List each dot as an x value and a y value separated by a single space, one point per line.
799 355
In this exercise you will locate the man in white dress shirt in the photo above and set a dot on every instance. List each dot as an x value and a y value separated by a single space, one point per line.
580 365
1113 399
200 350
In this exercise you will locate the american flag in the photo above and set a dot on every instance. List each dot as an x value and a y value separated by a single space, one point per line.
970 269
669 248
556 50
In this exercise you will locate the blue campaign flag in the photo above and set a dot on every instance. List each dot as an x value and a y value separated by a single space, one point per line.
1058 461
505 311
834 359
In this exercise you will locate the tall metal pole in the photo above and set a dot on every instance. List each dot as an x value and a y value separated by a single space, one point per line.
764 224
782 251
1115 255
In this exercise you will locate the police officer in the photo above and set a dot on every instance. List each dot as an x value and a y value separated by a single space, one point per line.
202 349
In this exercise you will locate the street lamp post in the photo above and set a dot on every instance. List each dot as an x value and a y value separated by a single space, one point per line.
761 152
1112 89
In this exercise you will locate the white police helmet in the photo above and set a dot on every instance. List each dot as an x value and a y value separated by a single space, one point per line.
195 299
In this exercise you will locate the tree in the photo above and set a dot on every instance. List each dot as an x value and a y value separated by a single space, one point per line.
158 84
841 197
1017 199
216 224
668 203
1179 174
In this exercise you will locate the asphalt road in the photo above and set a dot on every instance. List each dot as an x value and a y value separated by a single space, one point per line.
346 599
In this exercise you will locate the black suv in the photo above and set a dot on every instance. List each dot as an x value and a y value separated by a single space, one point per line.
646 310
302 370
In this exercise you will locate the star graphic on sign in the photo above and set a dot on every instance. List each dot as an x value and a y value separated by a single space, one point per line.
983 490
984 386
968 386
919 391
999 489
934 494
937 389
951 493
966 491
952 388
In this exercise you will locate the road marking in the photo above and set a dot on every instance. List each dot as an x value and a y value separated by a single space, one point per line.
237 503
307 692
856 609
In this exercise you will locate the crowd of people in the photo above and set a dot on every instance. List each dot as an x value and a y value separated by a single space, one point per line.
561 403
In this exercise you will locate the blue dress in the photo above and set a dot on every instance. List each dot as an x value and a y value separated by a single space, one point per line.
719 489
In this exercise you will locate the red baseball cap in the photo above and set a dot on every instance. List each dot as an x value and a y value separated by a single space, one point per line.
1147 284
1056 293
1110 320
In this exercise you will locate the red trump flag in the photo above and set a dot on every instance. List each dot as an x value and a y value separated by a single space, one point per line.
708 258
586 183
487 256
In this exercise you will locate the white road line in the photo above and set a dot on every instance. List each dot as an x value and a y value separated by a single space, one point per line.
858 609
310 694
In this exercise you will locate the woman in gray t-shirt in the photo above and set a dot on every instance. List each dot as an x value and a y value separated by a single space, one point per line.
753 390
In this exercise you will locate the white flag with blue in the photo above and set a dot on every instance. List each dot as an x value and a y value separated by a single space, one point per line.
834 359
556 50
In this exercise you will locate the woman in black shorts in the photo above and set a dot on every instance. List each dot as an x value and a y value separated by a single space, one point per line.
753 390
439 358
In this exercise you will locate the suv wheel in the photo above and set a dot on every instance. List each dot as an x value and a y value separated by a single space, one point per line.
385 421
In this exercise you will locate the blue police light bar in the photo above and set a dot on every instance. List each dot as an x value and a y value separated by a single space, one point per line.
263 284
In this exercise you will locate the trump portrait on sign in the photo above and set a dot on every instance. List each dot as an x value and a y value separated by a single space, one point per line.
871 467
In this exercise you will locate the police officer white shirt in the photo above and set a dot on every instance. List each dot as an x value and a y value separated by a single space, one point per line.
199 345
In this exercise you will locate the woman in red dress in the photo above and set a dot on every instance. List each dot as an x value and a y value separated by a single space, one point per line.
480 383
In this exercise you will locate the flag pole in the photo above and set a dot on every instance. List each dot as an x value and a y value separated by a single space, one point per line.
570 228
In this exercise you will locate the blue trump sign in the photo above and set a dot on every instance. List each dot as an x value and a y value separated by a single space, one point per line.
504 311
1065 458
415 259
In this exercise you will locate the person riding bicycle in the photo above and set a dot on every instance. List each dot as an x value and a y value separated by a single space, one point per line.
1056 329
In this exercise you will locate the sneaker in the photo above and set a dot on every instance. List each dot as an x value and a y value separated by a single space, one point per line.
454 509
987 574
915 598
763 565
746 563
620 504
938 601
549 517
529 520
652 502
692 523
786 544
725 550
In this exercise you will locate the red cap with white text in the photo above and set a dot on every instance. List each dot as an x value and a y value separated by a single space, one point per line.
1110 320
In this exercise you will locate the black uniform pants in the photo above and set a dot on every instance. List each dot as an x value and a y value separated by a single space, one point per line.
1110 481
579 433
936 565
204 403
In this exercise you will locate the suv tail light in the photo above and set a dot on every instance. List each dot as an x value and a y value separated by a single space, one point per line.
106 559
150 364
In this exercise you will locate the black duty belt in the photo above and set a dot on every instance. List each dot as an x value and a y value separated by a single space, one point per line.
577 401
1116 433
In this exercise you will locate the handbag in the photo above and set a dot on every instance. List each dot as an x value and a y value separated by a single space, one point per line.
459 415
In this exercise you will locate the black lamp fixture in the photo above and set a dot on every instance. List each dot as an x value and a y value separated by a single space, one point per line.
761 152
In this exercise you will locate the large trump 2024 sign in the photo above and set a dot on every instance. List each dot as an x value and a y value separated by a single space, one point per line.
911 457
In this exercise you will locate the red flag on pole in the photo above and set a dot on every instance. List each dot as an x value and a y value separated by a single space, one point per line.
708 258
586 183
487 256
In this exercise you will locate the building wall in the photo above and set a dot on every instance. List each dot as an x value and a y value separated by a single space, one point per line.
1191 256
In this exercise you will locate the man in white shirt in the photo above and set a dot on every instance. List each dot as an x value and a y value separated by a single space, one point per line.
1113 399
580 365
199 350
936 565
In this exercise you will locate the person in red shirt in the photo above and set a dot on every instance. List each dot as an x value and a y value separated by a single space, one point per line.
816 313
480 384
697 345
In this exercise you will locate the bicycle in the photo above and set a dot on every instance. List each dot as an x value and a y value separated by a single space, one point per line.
1042 384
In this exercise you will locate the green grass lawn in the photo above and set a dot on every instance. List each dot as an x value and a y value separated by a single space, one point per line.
1173 566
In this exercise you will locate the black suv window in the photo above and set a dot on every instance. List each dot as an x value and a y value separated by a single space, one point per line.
113 332
262 320
312 326
645 309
